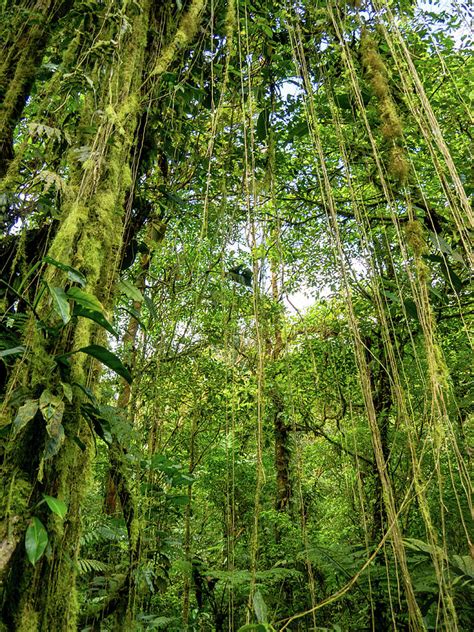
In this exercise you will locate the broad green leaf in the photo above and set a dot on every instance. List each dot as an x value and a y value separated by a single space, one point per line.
89 301
54 443
451 276
12 351
25 414
464 563
260 607
72 273
343 101
299 130
131 291
36 540
61 303
52 409
67 390
57 506
109 359
96 316
151 308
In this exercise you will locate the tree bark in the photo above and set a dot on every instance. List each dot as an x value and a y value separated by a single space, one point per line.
43 597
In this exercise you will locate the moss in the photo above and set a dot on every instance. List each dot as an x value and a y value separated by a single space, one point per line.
76 216
398 165
371 58
15 499
28 620
391 126
135 528
380 86
186 30
415 237
88 238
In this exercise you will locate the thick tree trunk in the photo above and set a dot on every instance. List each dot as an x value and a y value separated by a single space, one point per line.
43 598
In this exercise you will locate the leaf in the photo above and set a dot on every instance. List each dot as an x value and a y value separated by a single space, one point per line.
67 390
131 291
57 506
54 443
96 316
72 273
89 301
442 246
343 101
12 351
25 414
99 424
151 308
52 409
36 540
61 303
109 359
136 315
299 130
260 607
87 566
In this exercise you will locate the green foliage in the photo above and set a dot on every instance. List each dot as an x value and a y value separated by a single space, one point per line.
191 170
56 505
36 540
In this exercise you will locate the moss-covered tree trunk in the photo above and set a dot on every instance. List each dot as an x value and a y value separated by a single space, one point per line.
89 238
41 596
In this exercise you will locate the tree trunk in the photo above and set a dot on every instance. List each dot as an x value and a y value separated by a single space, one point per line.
43 597
382 398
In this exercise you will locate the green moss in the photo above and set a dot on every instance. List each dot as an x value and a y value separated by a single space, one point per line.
398 165
415 237
28 620
391 127
15 498
135 528
89 238
185 32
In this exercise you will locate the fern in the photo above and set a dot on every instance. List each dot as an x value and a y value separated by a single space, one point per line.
88 566
104 533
